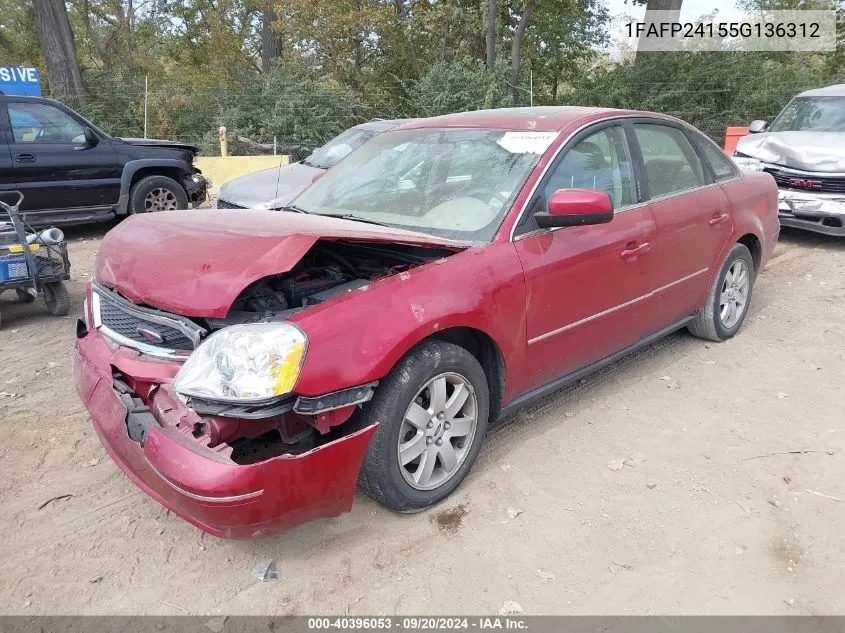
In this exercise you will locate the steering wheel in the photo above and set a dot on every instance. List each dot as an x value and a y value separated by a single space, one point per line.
486 195
386 185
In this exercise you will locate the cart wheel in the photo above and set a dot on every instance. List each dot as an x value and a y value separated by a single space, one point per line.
24 296
56 298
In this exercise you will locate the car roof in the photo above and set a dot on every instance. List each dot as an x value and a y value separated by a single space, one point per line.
539 119
381 125
30 98
837 90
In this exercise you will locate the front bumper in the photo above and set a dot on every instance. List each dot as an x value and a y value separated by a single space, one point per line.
818 212
196 188
195 481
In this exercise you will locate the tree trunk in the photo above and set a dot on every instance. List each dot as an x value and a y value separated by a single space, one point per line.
59 51
516 49
271 47
130 31
491 35
658 5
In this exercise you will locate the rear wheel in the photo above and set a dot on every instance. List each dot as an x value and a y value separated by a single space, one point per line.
727 305
157 193
56 298
432 412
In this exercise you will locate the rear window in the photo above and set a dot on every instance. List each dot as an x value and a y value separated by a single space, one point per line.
721 166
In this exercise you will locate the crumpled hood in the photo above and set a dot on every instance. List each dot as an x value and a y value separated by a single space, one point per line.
809 151
196 263
155 142
269 188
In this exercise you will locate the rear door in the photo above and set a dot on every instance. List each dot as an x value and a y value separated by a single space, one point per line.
587 287
691 214
55 167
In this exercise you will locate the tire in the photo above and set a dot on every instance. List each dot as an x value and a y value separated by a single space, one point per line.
709 323
56 298
381 476
24 296
157 193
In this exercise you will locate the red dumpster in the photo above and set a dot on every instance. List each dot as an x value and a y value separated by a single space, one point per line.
732 136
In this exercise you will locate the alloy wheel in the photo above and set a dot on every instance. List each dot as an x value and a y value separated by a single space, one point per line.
437 431
160 199
734 297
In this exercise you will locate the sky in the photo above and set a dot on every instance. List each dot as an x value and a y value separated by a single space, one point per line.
691 8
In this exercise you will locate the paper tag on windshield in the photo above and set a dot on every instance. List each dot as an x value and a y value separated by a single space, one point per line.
527 142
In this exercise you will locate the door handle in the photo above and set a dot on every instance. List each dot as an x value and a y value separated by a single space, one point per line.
718 219
635 249
25 158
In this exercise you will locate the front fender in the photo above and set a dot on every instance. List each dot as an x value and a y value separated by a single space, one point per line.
133 166
359 337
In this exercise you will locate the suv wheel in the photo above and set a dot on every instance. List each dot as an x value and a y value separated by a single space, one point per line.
157 193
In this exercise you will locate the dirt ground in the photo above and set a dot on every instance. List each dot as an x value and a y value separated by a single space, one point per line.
667 484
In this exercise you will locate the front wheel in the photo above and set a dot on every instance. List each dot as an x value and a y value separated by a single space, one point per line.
157 193
727 305
56 298
432 412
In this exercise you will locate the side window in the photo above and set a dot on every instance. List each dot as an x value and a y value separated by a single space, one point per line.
671 164
42 123
722 167
601 162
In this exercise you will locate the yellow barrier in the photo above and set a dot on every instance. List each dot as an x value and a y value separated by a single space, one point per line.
220 169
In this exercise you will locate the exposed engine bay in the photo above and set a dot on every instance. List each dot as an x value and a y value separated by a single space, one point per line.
248 434
329 269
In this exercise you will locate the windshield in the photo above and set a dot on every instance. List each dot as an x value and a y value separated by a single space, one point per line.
811 114
327 155
453 183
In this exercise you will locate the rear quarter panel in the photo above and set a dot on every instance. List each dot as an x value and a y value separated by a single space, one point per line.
359 337
754 209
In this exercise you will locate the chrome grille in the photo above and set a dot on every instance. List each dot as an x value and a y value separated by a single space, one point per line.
128 325
150 331
223 204
827 184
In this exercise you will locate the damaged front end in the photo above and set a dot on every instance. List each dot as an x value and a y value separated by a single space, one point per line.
231 477
234 449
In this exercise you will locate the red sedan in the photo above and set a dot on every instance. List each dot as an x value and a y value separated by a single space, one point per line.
246 370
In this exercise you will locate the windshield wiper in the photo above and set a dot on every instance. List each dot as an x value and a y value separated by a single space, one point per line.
311 163
350 216
294 209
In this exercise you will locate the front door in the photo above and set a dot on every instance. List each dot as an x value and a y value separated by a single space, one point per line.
7 170
587 287
55 167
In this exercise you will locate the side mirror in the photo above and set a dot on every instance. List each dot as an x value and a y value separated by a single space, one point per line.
576 207
757 126
91 138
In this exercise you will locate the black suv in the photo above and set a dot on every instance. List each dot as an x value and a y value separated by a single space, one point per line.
72 172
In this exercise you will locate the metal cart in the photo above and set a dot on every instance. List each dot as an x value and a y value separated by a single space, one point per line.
32 264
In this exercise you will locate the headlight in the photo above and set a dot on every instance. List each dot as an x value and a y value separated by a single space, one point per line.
248 363
746 163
